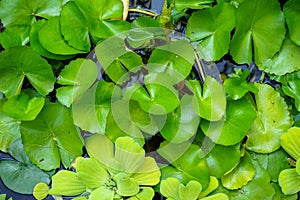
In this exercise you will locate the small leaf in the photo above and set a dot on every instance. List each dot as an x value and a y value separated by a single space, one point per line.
193 4
218 196
291 12
289 181
169 188
298 166
76 77
279 194
146 193
40 191
126 186
103 192
65 182
213 184
290 143
190 191
209 102
291 87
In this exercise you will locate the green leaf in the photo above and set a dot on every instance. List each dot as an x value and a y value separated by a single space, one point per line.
76 77
116 60
169 188
14 36
173 60
14 173
103 192
36 45
213 184
51 39
218 196
51 138
291 12
146 193
280 196
298 166
273 119
289 181
290 143
25 12
240 175
65 182
24 62
181 124
228 131
291 87
25 106
40 191
190 191
90 110
287 57
209 102
262 32
101 15
213 27
9 130
126 186
74 27
193 4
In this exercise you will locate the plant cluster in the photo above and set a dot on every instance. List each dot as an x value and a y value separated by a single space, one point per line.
83 92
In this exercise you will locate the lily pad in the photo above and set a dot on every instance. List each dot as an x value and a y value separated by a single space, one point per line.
212 27
273 119
291 12
14 36
262 33
24 62
229 131
13 173
290 143
210 101
52 137
74 27
25 106
76 77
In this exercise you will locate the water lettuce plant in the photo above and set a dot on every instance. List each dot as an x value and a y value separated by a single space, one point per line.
102 100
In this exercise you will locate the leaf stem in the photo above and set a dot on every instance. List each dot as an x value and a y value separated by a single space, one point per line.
199 66
143 12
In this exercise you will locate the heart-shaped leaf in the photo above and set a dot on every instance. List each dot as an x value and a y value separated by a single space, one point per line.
190 191
228 131
13 173
52 137
24 62
209 102
273 119
212 27
291 12
76 77
169 188
289 181
25 106
262 32
290 143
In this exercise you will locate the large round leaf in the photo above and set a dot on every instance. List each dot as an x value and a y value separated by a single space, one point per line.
19 62
260 29
51 39
51 138
13 173
273 119
74 27
228 131
76 77
289 57
213 27
209 102
291 11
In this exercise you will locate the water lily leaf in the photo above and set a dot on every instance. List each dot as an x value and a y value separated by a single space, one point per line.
66 182
190 191
90 110
240 175
182 123
51 39
126 186
40 191
220 162
273 119
101 17
262 32
52 137
13 173
291 87
228 131
36 45
103 192
169 188
25 106
116 60
213 27
14 36
9 130
290 143
192 4
209 102
76 77
287 57
74 27
291 12
25 12
289 181
174 59
91 173
24 62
